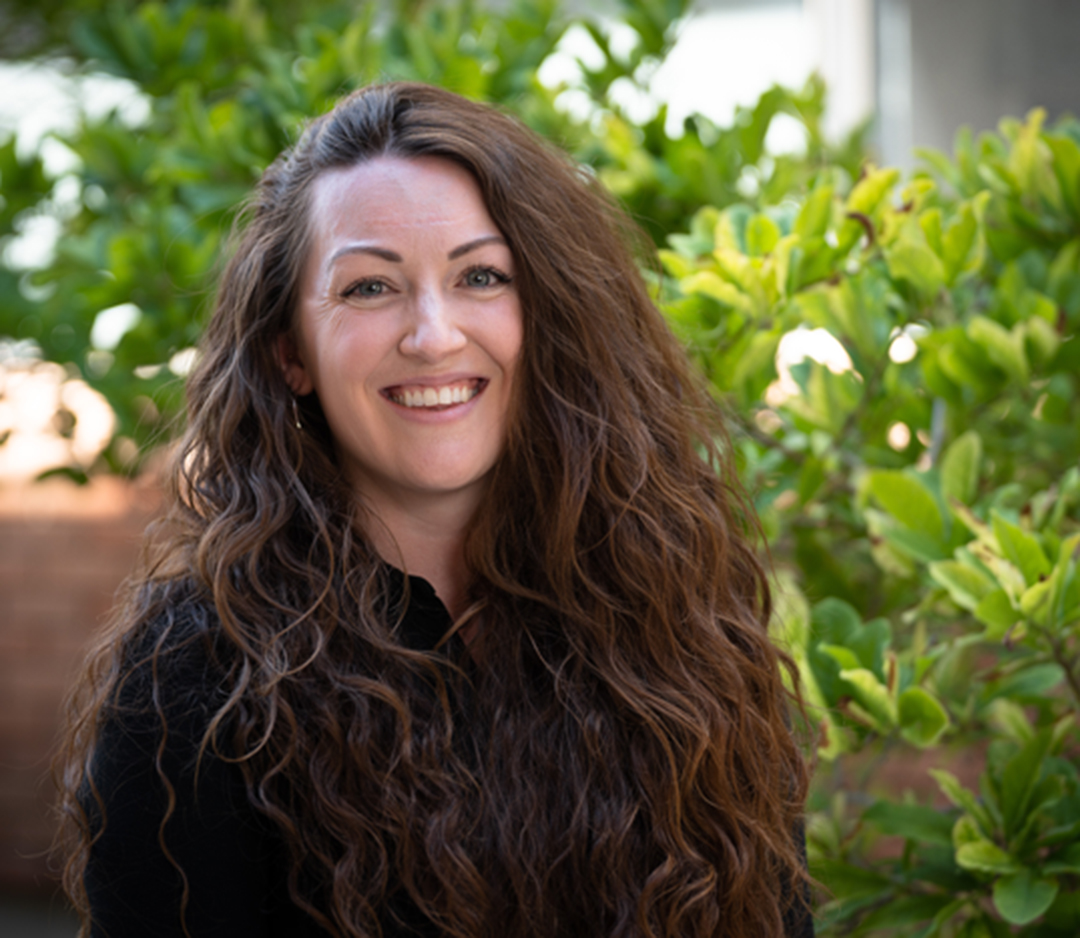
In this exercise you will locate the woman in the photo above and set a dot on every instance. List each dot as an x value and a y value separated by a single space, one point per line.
453 626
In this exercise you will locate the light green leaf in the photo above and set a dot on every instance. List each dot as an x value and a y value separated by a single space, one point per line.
675 264
922 718
983 856
844 657
966 831
710 284
916 544
930 223
1066 155
918 265
1035 601
1043 339
957 242
996 612
872 696
960 468
966 585
1021 549
761 235
956 793
813 220
908 501
871 189
1009 719
758 362
1023 896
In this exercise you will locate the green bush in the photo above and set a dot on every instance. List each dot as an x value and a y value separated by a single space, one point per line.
922 510
921 505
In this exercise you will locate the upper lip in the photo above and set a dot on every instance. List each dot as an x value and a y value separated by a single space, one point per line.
434 381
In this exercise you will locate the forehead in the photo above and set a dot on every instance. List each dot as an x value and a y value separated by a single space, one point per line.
392 195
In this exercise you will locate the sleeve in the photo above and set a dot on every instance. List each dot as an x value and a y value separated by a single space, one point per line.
232 861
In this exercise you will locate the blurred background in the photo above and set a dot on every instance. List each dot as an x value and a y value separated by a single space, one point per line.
129 132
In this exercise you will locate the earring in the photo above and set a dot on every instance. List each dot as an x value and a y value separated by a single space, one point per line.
296 414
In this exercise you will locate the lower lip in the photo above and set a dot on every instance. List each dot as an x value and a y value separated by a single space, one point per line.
442 414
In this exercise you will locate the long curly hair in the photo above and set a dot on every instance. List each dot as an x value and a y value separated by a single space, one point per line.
637 774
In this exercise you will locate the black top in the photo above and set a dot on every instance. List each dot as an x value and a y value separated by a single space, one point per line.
234 859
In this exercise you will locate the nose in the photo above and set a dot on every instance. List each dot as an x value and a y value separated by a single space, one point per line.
433 331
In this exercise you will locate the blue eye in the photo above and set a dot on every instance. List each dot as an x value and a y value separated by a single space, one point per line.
366 289
482 277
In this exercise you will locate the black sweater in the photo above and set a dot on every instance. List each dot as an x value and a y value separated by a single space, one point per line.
234 859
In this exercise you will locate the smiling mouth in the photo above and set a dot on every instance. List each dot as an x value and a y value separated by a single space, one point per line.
435 397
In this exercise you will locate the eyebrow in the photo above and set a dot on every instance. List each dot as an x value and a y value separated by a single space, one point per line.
473 245
395 258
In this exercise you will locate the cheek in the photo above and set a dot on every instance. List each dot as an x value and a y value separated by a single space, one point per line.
510 339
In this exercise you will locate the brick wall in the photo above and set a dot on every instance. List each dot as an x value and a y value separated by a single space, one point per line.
63 552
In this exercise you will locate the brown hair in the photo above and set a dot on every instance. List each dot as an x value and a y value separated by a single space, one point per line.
638 775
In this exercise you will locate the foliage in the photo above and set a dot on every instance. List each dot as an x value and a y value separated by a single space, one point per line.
229 85
920 493
922 505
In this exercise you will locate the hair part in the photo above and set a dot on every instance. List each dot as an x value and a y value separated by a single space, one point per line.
638 775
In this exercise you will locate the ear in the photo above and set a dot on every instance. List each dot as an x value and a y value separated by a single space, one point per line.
292 366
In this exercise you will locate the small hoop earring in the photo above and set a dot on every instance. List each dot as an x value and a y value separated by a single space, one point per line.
296 414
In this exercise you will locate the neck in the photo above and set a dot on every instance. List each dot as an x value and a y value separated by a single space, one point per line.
426 540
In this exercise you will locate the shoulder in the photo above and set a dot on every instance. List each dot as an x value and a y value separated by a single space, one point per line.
169 673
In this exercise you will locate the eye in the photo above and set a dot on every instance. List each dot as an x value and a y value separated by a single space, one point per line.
365 289
482 277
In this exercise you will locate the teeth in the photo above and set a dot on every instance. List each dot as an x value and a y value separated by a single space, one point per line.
435 397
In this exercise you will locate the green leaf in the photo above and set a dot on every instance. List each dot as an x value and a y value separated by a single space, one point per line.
907 910
846 881
965 831
872 696
921 546
908 501
710 284
813 219
966 585
1031 682
922 718
1024 896
1018 780
1004 348
956 793
844 657
1035 601
913 822
957 242
960 468
1068 861
982 856
1021 549
871 189
1066 154
995 611
761 235
918 265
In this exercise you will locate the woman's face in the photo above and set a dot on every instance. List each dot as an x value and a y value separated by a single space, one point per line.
409 329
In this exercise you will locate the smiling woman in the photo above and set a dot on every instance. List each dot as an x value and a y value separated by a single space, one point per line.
409 330
454 625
